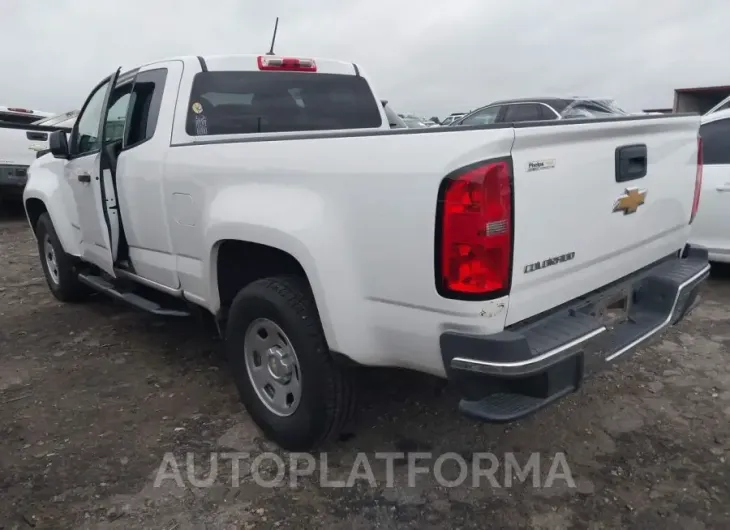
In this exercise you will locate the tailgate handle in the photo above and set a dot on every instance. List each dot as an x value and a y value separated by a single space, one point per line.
631 162
42 137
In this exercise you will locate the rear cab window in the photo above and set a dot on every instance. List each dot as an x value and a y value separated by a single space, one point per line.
250 102
21 119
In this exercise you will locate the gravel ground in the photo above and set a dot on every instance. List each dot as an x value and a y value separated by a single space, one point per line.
93 396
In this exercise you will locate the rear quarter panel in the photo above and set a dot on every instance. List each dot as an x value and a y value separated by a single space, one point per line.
357 212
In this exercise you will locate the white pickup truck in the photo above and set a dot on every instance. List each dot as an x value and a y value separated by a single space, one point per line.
271 194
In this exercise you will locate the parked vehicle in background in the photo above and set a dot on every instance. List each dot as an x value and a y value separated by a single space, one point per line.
711 228
411 121
21 116
64 121
394 119
20 144
414 123
270 194
541 109
451 118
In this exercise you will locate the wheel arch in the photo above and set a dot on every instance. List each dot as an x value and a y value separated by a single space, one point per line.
236 263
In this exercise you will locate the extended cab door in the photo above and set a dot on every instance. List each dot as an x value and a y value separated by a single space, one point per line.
711 227
84 175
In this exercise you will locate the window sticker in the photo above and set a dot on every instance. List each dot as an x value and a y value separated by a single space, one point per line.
201 125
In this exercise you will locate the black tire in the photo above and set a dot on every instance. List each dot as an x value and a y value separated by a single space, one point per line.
327 388
65 284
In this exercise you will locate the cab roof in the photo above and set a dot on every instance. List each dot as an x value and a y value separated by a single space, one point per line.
250 62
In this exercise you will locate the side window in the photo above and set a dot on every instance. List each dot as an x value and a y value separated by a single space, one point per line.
546 113
117 115
144 108
86 135
523 112
482 117
716 142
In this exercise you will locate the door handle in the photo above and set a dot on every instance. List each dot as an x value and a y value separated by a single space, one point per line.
631 162
723 188
42 137
84 177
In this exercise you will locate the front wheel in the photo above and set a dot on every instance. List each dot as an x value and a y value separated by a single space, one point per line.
58 267
287 379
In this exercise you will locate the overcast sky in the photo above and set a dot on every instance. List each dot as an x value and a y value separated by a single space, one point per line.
431 57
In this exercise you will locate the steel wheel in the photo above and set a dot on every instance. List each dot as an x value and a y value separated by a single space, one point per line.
273 367
49 255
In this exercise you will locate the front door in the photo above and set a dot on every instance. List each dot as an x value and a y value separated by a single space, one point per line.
84 175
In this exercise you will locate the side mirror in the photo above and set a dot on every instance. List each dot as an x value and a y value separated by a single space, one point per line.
58 144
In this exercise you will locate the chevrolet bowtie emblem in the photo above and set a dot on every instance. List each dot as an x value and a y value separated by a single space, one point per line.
630 201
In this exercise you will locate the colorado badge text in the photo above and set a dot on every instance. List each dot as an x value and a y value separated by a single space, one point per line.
538 265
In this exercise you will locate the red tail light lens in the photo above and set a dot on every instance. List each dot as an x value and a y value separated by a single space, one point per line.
474 258
268 62
698 181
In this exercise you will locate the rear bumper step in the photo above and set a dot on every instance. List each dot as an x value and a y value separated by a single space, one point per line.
511 374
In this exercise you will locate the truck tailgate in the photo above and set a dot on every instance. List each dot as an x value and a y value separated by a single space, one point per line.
18 146
578 225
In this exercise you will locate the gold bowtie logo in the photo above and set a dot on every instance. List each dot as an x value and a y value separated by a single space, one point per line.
630 201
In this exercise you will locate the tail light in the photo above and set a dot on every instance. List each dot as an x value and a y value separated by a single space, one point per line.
16 109
474 232
698 181
268 62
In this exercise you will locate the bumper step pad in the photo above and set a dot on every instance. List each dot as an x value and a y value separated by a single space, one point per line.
524 369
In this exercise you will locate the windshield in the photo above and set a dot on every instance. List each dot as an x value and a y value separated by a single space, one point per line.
593 108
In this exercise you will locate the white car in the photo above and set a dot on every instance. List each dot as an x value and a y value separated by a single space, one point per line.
271 194
711 228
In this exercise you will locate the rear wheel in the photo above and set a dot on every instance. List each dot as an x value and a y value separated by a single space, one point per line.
58 267
287 379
